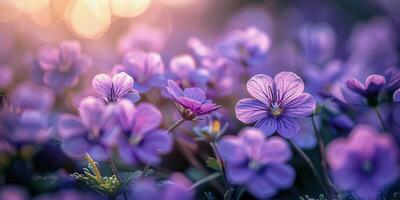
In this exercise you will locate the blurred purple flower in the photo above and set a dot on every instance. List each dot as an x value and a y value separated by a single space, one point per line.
142 37
62 66
28 96
396 96
371 88
190 102
246 47
6 76
93 131
69 194
364 163
373 45
177 188
29 126
257 163
305 138
111 90
276 103
185 72
146 68
318 42
13 193
141 139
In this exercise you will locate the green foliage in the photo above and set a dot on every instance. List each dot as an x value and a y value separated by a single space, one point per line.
105 185
213 164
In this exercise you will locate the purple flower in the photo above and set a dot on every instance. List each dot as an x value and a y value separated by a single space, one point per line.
364 163
371 88
318 42
177 188
185 72
146 68
246 47
6 76
63 66
93 131
30 126
142 37
13 193
141 139
257 163
69 195
396 96
190 102
111 90
276 103
28 96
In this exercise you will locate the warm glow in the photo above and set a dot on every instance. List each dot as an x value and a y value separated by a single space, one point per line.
8 11
129 8
31 6
89 18
178 3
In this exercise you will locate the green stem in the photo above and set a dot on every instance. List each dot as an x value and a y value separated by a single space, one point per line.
379 115
223 171
205 180
304 156
94 167
115 172
323 159
175 125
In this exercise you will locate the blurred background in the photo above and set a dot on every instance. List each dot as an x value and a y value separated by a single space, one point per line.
351 33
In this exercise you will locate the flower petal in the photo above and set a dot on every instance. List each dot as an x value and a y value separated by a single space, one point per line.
75 147
275 150
268 125
374 83
288 86
260 86
69 126
239 174
182 65
302 105
252 138
102 84
174 90
396 96
231 150
125 110
287 126
69 50
146 118
280 175
91 112
122 83
195 94
250 110
356 86
158 141
260 188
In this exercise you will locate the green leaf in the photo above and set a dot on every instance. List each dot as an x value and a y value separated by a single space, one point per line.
213 164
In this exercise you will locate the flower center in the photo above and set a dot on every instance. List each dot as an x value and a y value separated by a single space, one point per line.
367 166
276 110
254 165
135 140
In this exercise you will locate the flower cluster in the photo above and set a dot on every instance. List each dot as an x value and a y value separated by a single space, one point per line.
253 104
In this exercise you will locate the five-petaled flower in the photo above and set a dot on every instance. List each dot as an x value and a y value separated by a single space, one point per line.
191 102
141 140
62 66
111 90
276 103
93 131
257 163
363 163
